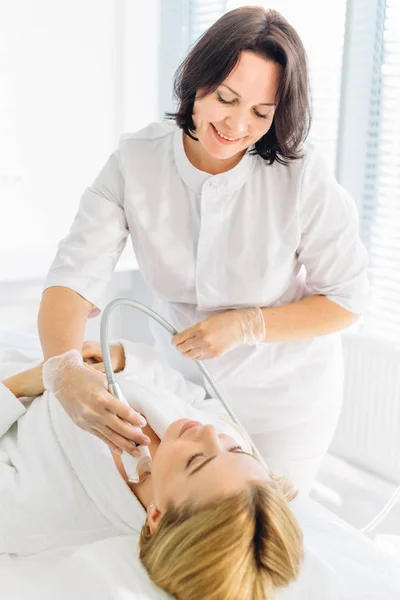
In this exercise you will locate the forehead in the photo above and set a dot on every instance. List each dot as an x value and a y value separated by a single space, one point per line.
255 76
228 473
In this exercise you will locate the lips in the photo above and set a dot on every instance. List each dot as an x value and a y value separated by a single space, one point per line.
231 138
223 140
187 426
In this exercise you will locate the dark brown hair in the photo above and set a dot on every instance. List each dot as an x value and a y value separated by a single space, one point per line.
215 55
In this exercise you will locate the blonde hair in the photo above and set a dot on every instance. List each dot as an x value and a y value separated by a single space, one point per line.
240 548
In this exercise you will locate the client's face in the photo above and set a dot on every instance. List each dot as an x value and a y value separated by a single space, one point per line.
194 462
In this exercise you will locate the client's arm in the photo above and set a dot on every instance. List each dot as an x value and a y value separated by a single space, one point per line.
28 383
91 353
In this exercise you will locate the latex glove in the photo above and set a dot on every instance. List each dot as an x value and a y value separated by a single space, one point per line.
83 393
220 333
29 383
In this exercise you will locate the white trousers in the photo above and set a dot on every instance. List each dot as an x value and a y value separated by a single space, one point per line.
297 452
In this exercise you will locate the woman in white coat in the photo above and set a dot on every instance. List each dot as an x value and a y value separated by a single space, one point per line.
249 244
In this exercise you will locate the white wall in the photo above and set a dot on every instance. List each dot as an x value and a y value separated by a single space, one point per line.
74 75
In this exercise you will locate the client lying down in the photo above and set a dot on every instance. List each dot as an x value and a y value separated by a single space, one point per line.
214 524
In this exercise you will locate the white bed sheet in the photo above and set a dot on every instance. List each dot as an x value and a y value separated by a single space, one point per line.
341 564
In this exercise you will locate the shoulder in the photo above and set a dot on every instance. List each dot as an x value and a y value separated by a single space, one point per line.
317 176
154 132
319 189
314 165
294 170
287 180
142 148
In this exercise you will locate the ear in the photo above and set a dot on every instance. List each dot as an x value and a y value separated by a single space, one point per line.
153 517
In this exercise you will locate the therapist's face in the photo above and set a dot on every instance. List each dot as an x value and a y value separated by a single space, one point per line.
196 463
241 108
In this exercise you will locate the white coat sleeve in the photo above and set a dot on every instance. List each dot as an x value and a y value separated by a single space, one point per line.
87 256
330 248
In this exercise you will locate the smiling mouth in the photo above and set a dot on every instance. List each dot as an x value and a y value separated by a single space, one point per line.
223 136
187 426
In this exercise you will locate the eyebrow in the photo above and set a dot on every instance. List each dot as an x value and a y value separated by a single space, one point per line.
205 462
239 96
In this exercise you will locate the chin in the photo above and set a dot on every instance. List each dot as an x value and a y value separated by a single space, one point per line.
221 153
173 430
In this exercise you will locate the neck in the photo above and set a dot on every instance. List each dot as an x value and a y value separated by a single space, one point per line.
204 161
144 490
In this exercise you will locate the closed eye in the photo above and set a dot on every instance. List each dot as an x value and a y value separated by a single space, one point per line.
221 99
192 458
238 449
260 115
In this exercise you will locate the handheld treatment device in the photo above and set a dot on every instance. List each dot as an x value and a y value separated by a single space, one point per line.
133 467
136 467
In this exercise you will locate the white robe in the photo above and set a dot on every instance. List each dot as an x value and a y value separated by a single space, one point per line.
59 485
60 491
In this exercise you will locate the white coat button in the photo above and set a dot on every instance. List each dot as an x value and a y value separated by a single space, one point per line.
211 188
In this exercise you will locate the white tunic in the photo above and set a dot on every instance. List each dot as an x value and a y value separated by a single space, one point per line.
257 235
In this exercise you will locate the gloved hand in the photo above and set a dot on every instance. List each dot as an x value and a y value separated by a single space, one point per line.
82 391
220 333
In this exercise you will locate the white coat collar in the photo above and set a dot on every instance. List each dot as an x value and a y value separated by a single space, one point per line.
223 183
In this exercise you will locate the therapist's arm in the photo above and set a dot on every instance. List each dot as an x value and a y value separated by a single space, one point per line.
62 318
84 262
81 389
310 317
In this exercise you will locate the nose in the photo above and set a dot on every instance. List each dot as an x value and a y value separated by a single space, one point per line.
210 438
238 122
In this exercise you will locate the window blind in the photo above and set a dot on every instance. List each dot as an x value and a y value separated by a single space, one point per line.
202 14
361 110
384 318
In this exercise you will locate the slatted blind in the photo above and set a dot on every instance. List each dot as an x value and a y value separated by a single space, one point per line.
364 55
384 246
324 46
202 14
